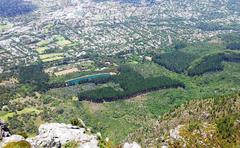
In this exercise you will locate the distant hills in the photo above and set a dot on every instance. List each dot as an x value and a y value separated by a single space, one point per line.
132 1
234 5
11 8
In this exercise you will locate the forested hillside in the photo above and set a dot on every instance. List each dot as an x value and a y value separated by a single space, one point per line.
212 122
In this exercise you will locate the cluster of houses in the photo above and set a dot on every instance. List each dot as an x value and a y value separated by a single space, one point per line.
68 30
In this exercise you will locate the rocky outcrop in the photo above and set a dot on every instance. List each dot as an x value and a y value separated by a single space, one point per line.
131 145
174 133
4 131
12 138
56 135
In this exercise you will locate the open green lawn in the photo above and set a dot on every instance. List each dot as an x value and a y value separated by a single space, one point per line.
51 57
41 50
42 43
63 43
4 27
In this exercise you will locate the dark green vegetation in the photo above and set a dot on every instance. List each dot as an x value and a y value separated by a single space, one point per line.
225 126
6 95
232 41
132 84
207 64
81 77
24 107
192 65
213 121
213 63
210 27
35 76
177 61
180 45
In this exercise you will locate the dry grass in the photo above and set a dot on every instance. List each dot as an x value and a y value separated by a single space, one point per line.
94 107
67 71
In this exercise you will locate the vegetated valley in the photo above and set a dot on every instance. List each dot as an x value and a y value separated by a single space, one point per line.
176 87
139 94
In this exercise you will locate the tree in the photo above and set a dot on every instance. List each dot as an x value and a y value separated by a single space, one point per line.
35 76
225 127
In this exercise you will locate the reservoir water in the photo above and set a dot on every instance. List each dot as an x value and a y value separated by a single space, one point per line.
88 78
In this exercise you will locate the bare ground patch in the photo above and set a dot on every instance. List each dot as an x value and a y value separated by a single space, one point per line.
94 107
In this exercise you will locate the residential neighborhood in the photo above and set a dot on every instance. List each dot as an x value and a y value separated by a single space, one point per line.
67 31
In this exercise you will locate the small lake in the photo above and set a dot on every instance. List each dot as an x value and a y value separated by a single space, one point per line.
88 78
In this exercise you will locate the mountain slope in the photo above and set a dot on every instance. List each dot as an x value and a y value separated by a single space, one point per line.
200 123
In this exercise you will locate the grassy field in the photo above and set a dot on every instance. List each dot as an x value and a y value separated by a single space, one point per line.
42 43
63 43
4 27
53 54
41 50
51 57
56 58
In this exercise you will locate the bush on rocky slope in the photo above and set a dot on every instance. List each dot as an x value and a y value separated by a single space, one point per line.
208 122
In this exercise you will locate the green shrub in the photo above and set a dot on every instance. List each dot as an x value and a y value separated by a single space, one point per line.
19 144
71 144
193 126
77 122
225 127
24 134
106 144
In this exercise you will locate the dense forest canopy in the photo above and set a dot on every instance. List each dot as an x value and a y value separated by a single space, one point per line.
34 75
232 41
177 61
132 84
